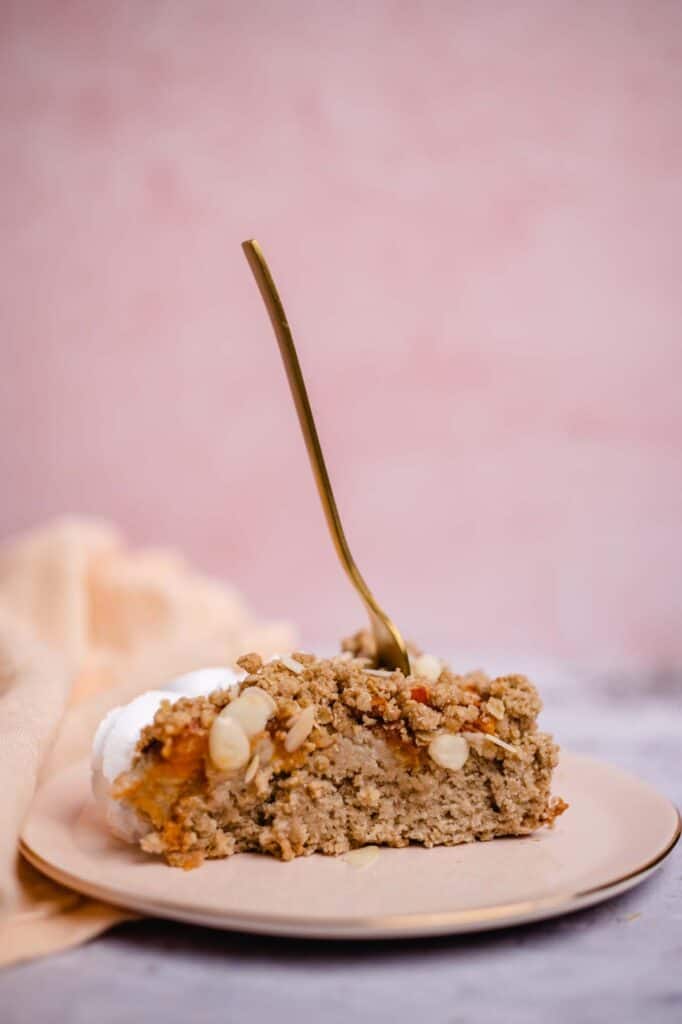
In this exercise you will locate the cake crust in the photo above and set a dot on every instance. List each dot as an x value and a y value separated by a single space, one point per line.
346 758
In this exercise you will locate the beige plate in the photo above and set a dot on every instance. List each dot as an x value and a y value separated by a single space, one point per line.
616 832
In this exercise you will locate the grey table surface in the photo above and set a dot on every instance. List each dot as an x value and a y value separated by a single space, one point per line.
620 961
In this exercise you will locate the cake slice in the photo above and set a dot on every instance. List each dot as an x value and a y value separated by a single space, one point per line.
323 755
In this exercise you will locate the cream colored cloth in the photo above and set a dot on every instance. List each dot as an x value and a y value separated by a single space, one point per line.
86 624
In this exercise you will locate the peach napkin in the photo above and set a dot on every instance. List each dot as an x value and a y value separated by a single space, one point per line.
86 624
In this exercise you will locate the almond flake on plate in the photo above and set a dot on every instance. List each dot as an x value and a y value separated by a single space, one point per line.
362 857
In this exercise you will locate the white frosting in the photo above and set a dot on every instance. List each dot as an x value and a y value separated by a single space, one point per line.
114 742
205 681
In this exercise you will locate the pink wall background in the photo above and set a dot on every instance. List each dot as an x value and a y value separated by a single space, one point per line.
474 212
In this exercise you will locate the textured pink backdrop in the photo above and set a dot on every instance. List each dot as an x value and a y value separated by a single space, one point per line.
474 211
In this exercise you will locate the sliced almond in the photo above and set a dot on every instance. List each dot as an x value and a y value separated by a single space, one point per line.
362 857
252 769
265 750
257 693
427 667
495 707
472 737
449 750
300 730
292 664
250 712
228 744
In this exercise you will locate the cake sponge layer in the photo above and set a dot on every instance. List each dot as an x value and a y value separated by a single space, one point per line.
344 756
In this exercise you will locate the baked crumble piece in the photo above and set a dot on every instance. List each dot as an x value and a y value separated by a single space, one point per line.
324 755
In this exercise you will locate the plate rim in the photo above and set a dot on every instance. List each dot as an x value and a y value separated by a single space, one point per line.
385 926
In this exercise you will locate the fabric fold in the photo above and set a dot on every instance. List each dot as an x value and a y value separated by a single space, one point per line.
86 624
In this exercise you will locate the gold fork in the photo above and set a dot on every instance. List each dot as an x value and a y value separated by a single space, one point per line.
391 651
